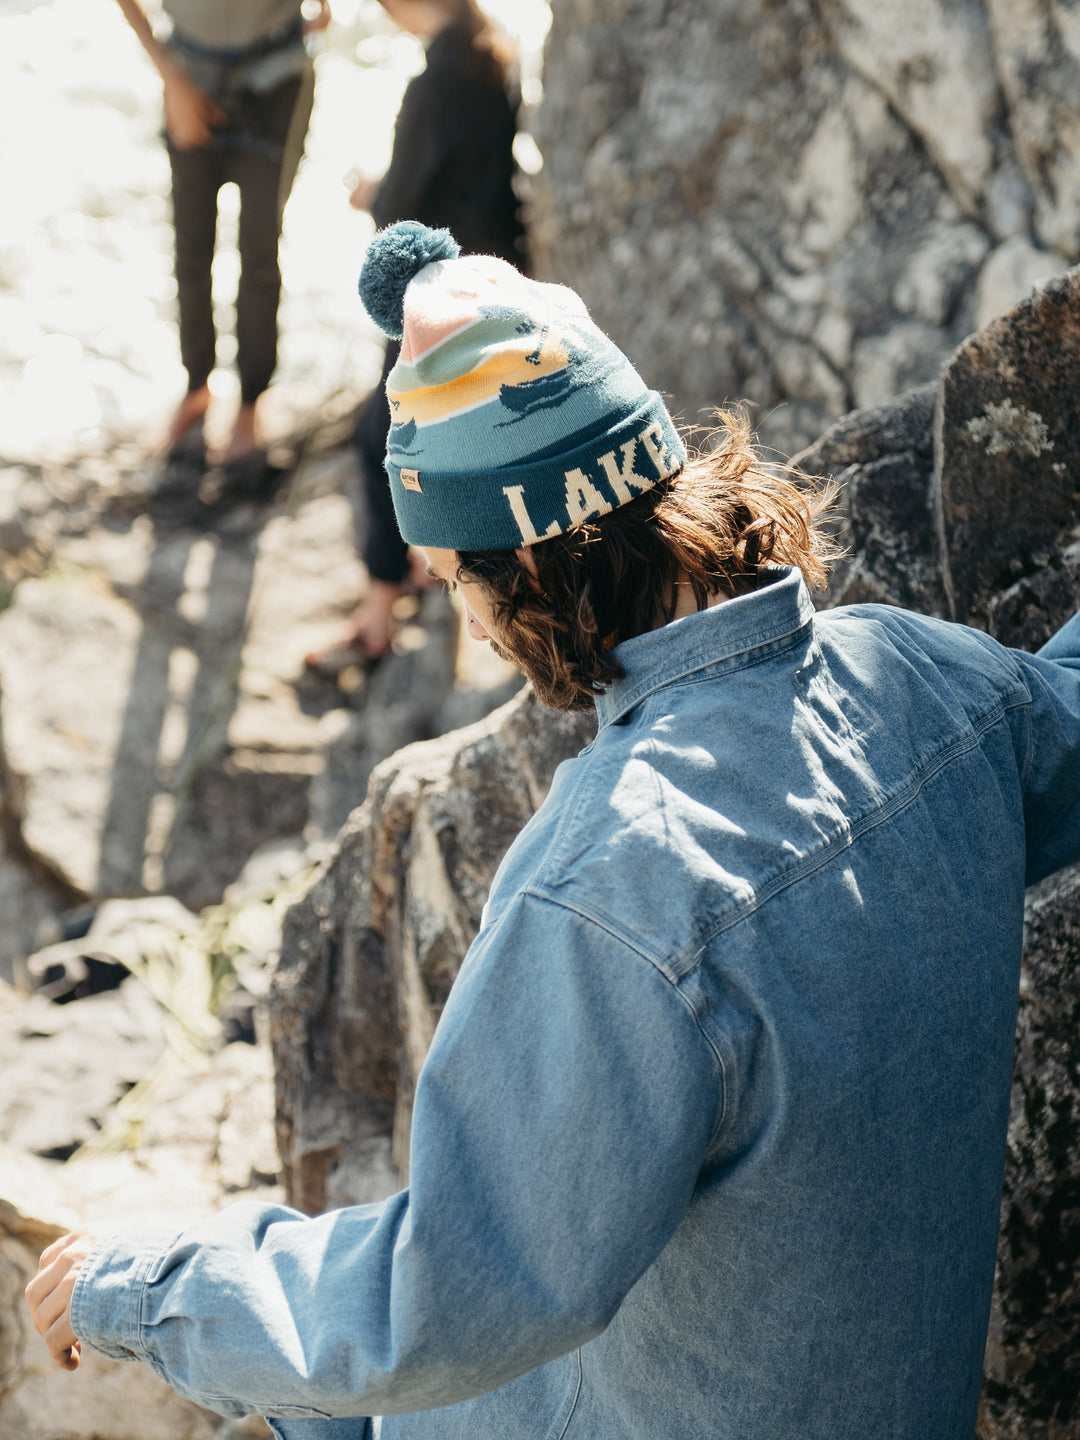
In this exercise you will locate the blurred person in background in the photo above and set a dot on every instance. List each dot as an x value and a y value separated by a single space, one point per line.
452 167
238 85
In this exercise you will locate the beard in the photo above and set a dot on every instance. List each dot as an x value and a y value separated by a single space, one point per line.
555 692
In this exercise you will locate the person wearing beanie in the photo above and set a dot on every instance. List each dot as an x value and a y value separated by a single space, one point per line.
709 1141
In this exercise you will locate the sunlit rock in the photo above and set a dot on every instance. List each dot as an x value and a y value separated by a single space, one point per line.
796 204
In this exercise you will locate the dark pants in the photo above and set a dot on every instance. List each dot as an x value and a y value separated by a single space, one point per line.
378 539
259 151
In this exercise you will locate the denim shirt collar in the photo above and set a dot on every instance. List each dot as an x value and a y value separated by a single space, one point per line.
730 635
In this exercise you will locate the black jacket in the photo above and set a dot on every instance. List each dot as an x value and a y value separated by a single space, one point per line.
452 163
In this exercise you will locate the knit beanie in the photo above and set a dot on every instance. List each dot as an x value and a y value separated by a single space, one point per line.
513 417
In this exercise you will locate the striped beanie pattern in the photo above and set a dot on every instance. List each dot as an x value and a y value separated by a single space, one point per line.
513 417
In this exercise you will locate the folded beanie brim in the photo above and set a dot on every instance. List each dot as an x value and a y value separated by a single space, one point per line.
515 505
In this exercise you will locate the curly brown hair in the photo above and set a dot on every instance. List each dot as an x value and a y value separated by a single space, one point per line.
717 526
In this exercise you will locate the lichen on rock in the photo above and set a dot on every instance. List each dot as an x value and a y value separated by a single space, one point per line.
1005 426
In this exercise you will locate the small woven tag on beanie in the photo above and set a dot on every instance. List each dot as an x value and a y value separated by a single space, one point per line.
393 258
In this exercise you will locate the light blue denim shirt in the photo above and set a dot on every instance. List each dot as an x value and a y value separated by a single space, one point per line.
709 1143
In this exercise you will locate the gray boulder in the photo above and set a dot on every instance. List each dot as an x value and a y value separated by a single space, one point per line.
1008 432
1033 1356
170 1124
809 204
65 1066
31 901
882 460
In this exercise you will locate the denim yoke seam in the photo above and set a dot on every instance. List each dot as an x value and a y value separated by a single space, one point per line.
843 838
755 653
830 846
671 980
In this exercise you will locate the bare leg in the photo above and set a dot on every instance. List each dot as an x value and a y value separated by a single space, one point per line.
372 625
187 415
373 622
244 439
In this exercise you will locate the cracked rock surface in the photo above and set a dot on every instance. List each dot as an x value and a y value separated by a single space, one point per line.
817 200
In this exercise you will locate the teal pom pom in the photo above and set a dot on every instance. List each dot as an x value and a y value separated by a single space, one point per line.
394 256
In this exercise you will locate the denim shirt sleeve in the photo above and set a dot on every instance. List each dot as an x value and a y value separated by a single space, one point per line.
560 1123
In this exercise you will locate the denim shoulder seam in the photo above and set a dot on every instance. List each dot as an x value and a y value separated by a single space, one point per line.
669 978
845 836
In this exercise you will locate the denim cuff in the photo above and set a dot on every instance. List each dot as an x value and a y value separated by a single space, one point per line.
106 1303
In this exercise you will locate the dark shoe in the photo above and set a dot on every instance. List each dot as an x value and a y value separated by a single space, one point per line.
249 477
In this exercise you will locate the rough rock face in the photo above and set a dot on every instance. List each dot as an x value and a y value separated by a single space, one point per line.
368 956
170 1181
1033 1358
30 902
1007 446
960 498
931 482
882 459
65 1066
810 203
171 1116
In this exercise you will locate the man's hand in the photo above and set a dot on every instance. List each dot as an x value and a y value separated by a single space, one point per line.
49 1294
190 114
